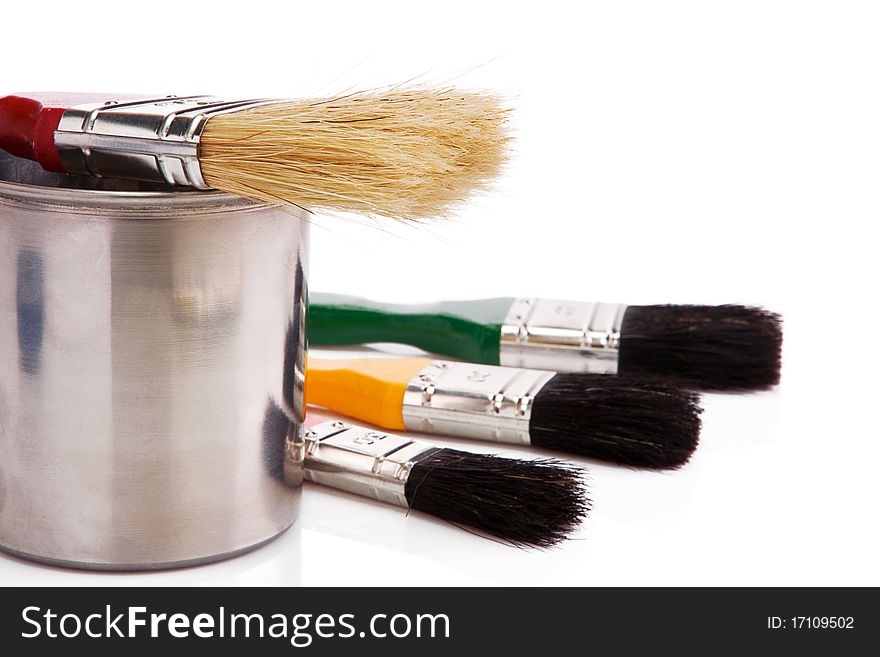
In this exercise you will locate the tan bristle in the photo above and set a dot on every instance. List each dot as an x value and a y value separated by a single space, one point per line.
406 153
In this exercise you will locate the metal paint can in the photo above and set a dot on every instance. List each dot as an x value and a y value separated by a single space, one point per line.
151 371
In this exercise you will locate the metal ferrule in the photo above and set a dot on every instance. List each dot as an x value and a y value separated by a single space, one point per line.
473 401
152 139
362 461
567 336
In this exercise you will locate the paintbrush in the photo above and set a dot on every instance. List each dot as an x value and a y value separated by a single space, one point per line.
403 152
628 420
725 348
527 503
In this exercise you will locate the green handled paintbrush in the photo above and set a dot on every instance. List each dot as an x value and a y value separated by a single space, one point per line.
728 347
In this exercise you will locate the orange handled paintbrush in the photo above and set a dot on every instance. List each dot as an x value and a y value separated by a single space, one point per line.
634 421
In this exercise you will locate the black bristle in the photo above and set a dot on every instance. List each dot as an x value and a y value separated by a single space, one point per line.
635 421
733 348
527 503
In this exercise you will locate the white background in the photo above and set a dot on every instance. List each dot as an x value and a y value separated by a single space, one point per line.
686 152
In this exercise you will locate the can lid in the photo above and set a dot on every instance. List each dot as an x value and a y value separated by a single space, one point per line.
23 182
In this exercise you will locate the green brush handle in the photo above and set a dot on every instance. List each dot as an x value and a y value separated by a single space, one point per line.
466 330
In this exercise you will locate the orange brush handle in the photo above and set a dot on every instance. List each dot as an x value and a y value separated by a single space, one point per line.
367 389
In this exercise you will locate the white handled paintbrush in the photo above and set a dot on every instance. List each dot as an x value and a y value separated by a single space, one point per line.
527 503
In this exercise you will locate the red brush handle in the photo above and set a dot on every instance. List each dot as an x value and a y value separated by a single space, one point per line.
28 122
27 129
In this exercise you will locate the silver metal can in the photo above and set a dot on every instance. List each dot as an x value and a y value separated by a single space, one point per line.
151 355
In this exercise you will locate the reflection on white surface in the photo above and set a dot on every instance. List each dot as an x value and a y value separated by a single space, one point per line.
278 563
646 528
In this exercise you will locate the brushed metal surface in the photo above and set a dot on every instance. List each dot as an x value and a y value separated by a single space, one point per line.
485 402
362 461
148 340
563 336
153 139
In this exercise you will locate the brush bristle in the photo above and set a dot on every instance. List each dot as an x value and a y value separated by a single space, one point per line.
527 503
633 421
405 153
733 348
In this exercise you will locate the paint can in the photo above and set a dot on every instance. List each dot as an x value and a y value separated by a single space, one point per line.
151 371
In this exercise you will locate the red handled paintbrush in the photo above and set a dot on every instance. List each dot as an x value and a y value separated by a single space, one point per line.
407 153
